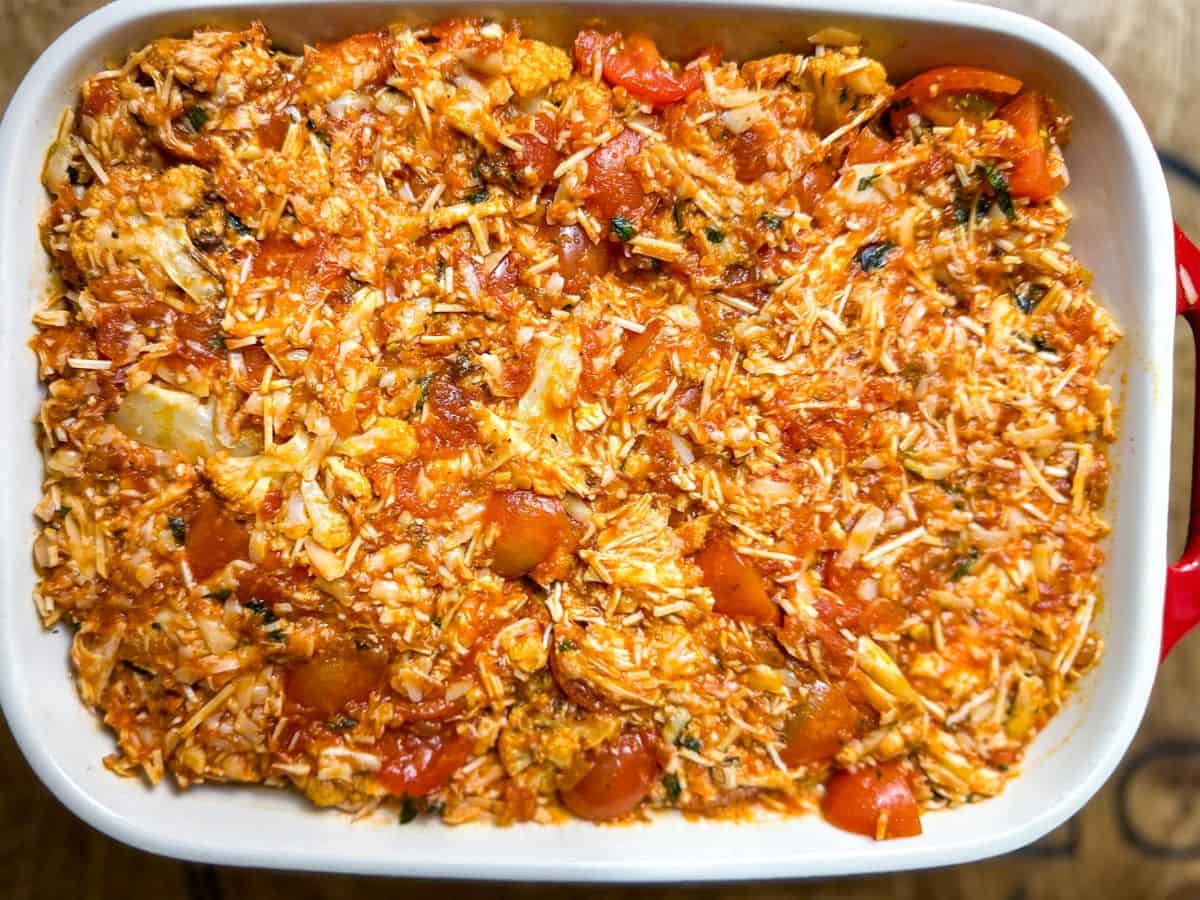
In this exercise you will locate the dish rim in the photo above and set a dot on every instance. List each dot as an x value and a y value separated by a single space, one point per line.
37 745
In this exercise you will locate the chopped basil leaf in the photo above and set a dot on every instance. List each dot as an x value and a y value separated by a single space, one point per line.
341 723
772 221
677 213
222 594
217 341
962 214
964 564
237 224
873 256
622 228
423 384
178 528
435 621
567 645
716 235
63 511
867 180
408 809
999 184
670 783
196 117
478 195
1030 296
1040 344
689 742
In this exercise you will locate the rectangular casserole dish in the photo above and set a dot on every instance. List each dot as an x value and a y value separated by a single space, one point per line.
1122 231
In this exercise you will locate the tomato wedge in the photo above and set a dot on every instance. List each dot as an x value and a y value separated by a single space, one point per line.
530 527
820 727
735 583
635 64
949 93
1031 175
857 801
418 765
622 773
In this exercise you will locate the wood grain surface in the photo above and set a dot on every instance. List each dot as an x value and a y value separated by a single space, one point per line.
1140 836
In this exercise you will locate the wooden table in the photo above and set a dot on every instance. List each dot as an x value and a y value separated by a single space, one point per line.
1131 841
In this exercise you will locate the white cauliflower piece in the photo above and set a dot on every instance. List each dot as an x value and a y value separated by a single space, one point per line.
387 437
330 527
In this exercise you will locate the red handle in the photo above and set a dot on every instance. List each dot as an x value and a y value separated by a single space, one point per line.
1181 610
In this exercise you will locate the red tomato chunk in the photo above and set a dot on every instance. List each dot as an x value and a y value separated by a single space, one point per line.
621 775
528 529
857 801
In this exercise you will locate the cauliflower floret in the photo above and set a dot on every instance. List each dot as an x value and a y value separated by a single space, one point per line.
243 481
349 479
330 527
838 97
532 66
390 437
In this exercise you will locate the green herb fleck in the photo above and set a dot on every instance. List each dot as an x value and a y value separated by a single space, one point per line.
341 723
435 621
63 511
677 213
622 228
716 235
964 564
771 220
221 594
1040 344
237 224
873 256
689 742
670 783
962 214
178 528
278 635
867 180
567 645
999 184
196 117
1030 296
217 341
478 195
408 809
423 384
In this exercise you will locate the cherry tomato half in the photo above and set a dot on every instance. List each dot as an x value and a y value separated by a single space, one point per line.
622 773
819 728
418 765
635 64
854 801
735 583
949 93
1031 175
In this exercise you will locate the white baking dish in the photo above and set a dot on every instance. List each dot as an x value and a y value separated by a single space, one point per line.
1123 232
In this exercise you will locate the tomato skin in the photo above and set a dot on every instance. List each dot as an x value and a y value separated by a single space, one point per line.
854 800
213 539
449 426
735 583
418 765
613 188
867 147
326 684
814 183
621 775
1030 175
537 159
530 527
635 64
820 727
580 261
933 93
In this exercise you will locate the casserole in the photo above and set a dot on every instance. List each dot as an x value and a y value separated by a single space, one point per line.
1105 120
